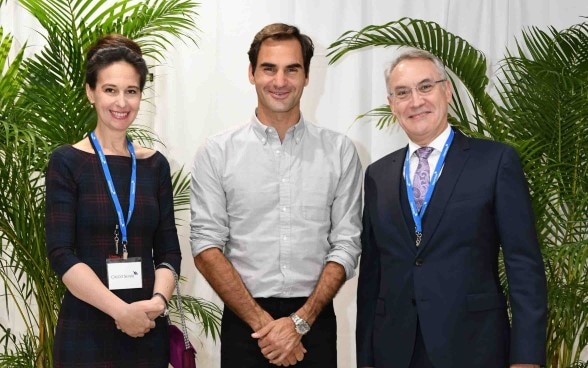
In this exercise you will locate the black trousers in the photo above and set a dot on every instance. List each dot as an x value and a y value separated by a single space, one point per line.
240 350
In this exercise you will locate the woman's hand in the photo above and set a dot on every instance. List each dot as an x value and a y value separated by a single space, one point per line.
134 319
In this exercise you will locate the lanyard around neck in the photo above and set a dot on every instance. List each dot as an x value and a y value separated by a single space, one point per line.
416 214
112 190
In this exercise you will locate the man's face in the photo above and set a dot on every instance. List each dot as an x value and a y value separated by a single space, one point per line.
279 80
423 116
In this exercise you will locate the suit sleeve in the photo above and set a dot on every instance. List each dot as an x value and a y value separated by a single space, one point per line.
524 264
368 283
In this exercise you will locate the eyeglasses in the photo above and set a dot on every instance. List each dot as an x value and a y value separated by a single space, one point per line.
423 89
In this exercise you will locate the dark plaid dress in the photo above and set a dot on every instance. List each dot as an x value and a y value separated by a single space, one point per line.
80 227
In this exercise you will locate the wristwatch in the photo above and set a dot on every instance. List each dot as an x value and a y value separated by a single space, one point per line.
301 326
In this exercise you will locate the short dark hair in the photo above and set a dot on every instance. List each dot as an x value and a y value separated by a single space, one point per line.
110 49
279 32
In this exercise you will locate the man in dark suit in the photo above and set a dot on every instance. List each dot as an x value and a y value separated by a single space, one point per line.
436 213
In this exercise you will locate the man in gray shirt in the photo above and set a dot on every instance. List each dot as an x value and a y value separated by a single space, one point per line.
276 206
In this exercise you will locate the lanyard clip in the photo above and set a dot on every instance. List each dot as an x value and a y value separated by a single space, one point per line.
125 252
419 237
116 239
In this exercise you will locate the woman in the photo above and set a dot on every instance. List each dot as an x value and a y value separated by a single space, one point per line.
106 244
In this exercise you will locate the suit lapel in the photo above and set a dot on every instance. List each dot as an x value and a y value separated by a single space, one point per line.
454 163
392 184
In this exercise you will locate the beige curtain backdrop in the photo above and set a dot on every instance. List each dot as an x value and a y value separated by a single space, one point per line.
203 89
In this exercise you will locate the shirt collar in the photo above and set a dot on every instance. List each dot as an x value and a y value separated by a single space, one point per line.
437 143
263 131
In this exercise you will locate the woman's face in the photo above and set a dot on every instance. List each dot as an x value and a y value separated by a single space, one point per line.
117 96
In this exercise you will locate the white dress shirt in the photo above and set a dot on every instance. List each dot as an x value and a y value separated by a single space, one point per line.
433 158
278 210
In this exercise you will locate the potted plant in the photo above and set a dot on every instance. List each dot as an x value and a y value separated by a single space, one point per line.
43 105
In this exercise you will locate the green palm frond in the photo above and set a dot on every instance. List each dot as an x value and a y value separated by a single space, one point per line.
181 185
72 26
11 78
21 352
207 314
143 135
544 97
382 113
460 57
568 315
155 21
25 268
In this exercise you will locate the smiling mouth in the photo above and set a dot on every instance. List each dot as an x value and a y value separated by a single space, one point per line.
119 115
279 95
419 115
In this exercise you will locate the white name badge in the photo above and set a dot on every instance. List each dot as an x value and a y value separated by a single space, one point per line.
124 273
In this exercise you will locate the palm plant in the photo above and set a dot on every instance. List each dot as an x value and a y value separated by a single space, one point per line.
43 105
542 110
15 158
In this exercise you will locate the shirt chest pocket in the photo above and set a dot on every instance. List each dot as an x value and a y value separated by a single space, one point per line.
317 197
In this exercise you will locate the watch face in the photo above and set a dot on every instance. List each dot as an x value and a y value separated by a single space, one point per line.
302 327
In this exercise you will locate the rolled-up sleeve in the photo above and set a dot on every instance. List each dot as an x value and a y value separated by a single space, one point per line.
346 212
209 220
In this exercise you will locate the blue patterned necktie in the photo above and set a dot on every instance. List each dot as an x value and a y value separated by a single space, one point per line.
420 183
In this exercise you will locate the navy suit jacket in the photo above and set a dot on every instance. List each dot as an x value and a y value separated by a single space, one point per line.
451 282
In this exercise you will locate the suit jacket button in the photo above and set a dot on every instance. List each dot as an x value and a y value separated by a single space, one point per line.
418 262
413 301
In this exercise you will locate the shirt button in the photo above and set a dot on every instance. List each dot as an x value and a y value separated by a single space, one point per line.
284 266
285 238
418 262
284 180
284 209
278 152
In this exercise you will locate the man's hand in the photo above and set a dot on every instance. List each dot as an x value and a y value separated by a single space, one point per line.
295 356
280 343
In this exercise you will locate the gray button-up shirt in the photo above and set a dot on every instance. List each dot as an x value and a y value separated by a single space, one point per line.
278 210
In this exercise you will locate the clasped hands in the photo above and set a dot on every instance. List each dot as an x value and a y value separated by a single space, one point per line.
279 342
138 318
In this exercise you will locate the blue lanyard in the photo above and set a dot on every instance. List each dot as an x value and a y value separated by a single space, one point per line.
416 215
119 212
